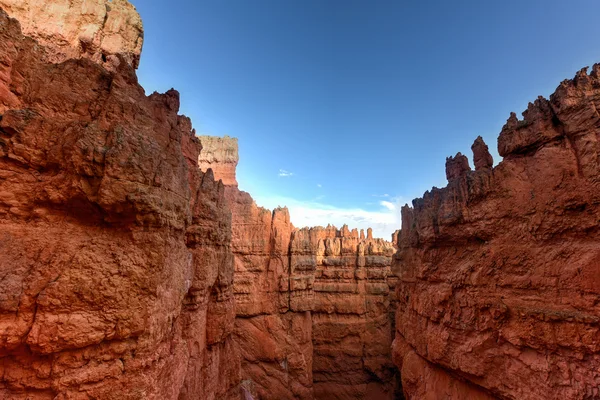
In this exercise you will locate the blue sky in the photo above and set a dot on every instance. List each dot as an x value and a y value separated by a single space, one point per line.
345 110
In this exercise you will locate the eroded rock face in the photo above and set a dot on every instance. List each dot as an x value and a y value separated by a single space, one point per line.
221 155
313 307
100 30
116 267
499 272
352 328
274 339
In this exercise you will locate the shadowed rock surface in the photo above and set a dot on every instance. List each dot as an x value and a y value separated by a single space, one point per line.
499 272
116 274
313 307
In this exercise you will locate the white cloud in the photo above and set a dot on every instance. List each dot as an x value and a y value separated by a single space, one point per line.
380 195
388 204
314 213
319 185
283 173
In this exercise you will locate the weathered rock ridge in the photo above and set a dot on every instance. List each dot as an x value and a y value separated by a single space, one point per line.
499 271
313 307
116 270
221 155
127 272
101 30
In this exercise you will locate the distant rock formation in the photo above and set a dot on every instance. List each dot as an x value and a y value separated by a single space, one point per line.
352 327
221 155
126 272
313 307
499 271
105 31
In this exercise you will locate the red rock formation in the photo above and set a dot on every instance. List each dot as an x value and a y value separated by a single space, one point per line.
499 271
317 294
351 324
221 155
274 339
481 155
105 31
457 167
116 273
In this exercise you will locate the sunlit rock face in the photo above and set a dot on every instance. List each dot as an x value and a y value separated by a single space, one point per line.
101 30
352 328
313 307
499 272
221 155
116 271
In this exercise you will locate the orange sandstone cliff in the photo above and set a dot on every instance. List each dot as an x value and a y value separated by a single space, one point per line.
313 309
221 155
132 267
108 32
116 270
500 271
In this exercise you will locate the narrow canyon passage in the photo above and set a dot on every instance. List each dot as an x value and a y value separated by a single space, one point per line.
133 267
313 305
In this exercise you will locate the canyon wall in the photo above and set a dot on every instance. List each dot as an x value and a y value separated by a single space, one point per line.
221 155
352 328
314 319
116 274
499 271
107 32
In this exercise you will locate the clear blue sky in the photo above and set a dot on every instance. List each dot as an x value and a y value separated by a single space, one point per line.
358 99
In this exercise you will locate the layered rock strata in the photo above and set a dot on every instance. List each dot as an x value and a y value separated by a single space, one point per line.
314 319
275 339
324 328
221 155
116 274
106 31
499 291
351 325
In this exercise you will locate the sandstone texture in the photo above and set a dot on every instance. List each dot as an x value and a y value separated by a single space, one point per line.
499 271
101 30
352 328
116 274
275 341
313 307
221 155
314 312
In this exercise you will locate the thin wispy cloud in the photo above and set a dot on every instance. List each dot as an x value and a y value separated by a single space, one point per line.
384 220
319 185
388 204
285 174
380 195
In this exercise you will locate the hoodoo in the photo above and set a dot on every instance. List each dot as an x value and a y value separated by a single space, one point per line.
498 291
313 305
133 267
